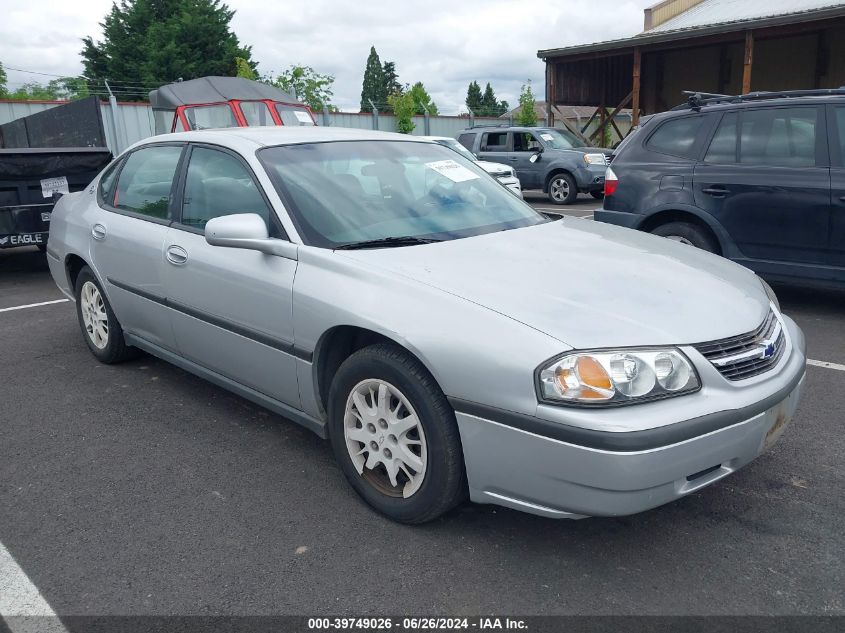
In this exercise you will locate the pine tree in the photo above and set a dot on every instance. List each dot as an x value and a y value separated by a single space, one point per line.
373 88
150 42
392 86
474 97
489 105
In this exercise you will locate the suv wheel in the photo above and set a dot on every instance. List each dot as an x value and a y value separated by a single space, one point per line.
395 436
563 189
686 233
100 327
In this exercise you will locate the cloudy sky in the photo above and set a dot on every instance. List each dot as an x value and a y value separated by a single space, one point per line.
444 44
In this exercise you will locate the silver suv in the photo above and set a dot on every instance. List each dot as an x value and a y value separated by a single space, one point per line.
554 160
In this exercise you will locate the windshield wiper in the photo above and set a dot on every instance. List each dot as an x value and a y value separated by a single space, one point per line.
388 242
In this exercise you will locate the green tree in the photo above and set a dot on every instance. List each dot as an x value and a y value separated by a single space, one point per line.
150 42
308 85
527 115
64 88
3 91
244 69
422 100
403 106
391 82
373 88
473 99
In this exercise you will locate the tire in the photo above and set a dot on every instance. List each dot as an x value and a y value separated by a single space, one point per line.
106 342
431 484
687 233
598 195
562 189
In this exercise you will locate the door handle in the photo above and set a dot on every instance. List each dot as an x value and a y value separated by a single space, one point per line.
176 255
98 232
842 198
717 191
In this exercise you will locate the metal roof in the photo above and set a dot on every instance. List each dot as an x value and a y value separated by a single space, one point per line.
791 12
724 11
215 90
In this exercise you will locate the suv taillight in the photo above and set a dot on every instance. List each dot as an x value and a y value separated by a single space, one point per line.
611 182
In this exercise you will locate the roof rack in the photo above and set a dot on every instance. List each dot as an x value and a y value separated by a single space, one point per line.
491 125
695 100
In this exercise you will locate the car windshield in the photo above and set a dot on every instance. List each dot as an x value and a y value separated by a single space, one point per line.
453 144
345 192
561 139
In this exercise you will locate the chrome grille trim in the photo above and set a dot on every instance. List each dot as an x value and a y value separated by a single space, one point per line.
747 355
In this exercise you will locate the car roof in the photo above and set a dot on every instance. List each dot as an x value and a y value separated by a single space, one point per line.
246 138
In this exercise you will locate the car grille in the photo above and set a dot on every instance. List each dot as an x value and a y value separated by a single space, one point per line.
747 355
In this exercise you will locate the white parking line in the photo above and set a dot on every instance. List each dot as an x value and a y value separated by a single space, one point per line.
21 605
825 364
33 305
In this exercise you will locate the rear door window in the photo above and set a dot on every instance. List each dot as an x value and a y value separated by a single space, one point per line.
494 142
146 181
779 137
677 137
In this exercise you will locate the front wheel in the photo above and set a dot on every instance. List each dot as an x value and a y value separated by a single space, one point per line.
563 189
686 233
394 435
100 327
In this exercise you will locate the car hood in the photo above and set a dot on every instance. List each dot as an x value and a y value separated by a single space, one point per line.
493 167
589 284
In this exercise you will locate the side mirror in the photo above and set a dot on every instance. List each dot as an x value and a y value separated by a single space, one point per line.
535 157
246 230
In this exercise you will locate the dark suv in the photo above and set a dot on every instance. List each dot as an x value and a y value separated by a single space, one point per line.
552 159
759 179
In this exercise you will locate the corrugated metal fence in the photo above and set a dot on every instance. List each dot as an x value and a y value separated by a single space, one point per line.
134 121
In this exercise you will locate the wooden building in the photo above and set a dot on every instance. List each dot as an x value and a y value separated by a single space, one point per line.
716 46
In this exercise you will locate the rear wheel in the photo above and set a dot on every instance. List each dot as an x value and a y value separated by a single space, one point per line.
687 233
563 189
100 327
395 436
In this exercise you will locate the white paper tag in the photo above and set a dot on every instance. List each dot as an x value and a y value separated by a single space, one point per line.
452 170
303 117
51 185
547 137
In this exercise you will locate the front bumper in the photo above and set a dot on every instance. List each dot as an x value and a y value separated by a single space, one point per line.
590 177
528 470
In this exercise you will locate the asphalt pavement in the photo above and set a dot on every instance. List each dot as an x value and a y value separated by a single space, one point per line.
140 489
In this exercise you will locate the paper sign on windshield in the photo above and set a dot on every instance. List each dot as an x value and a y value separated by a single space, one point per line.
51 185
303 117
547 137
452 170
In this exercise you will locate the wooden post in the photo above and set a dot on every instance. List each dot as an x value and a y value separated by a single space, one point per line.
635 90
749 59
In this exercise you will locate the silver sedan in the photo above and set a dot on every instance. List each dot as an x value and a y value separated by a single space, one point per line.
448 340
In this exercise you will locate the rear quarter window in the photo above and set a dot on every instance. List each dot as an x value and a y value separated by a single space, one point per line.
677 137
467 140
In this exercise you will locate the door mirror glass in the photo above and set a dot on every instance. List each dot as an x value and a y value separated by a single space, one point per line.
535 157
246 230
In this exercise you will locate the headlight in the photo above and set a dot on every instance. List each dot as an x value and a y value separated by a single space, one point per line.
771 293
615 377
595 159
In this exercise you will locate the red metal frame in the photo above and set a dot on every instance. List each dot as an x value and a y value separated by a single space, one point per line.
235 106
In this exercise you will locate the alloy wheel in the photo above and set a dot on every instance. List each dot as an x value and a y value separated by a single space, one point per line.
385 438
559 189
94 315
